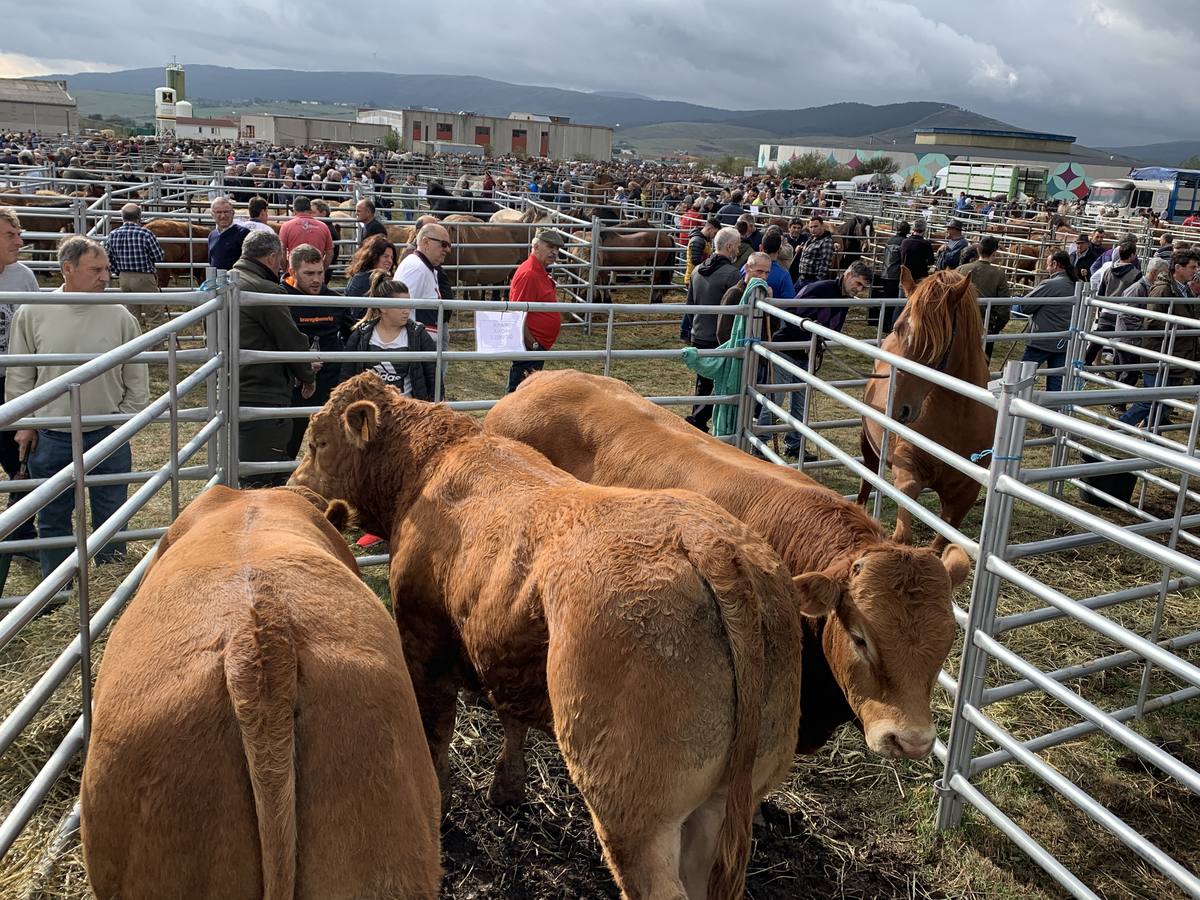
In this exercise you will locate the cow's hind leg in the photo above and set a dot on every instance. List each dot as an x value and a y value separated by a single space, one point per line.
508 781
699 845
645 865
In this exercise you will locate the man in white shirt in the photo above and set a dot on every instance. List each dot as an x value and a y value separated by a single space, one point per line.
258 220
418 272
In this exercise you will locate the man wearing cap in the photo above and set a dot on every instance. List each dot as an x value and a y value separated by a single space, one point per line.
952 250
1084 254
531 283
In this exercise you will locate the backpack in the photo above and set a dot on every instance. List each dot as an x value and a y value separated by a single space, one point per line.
891 260
950 257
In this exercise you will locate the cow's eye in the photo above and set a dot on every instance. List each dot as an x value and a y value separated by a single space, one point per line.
859 641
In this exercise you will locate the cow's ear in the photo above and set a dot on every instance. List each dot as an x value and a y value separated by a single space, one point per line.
307 493
906 281
360 420
339 514
817 594
957 563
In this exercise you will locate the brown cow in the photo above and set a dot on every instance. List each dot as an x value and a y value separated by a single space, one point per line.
255 731
194 251
650 632
876 660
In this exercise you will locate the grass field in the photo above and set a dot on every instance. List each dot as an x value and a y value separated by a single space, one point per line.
847 824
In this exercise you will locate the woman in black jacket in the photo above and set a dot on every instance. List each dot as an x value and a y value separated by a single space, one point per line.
375 254
389 330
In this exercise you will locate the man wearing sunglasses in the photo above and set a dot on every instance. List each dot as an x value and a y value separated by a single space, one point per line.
419 271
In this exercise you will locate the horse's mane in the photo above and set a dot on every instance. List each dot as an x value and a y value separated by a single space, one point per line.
938 313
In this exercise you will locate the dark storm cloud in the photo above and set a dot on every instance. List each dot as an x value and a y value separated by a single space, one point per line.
1096 68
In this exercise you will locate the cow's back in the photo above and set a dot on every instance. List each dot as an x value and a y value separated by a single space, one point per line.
167 769
601 431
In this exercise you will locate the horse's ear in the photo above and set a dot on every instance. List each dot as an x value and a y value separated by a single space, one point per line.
906 281
960 289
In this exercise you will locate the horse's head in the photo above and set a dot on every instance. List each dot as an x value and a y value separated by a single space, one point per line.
940 318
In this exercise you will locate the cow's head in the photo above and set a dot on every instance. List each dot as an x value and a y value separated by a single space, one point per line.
344 446
888 632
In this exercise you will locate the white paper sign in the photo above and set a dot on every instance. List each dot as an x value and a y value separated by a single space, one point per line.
499 332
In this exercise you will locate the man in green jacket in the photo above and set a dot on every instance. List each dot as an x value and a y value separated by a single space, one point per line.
267 384
990 282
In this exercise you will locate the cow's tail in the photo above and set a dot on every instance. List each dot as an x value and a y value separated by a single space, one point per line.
725 569
260 676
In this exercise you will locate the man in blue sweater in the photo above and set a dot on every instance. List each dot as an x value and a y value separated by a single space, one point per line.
225 241
854 282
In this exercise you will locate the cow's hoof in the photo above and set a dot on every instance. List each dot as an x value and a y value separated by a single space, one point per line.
501 794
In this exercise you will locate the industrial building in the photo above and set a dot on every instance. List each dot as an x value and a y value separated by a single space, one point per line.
522 134
300 131
1048 165
41 106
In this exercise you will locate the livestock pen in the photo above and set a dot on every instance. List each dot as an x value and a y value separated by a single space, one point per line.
1055 589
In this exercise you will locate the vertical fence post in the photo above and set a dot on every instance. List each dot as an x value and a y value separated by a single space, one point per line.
79 215
1076 350
232 394
745 407
173 390
443 327
81 552
1007 442
217 385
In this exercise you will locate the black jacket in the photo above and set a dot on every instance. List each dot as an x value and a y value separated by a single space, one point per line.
268 328
329 326
708 285
359 283
916 255
373 228
421 374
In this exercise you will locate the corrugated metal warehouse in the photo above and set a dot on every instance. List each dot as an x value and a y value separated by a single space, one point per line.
554 137
42 106
299 131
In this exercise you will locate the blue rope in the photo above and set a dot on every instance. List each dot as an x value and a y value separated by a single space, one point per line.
976 457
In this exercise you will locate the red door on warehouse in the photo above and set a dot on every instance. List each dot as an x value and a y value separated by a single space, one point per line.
545 149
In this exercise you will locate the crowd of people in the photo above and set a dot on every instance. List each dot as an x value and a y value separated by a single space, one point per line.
723 250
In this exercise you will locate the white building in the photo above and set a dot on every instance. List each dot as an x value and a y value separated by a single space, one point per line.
206 129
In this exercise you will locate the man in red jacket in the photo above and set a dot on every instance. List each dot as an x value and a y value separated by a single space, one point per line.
531 283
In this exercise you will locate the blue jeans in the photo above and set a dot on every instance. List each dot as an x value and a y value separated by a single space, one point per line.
1054 359
1140 412
52 453
522 369
791 439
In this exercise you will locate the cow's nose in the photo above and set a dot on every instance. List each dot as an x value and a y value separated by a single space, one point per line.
911 744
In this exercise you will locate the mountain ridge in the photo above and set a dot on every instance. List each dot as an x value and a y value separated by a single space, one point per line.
492 97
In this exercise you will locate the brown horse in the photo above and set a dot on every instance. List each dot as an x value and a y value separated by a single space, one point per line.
940 327
853 235
649 247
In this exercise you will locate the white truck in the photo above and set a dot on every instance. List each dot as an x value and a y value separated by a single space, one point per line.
1172 193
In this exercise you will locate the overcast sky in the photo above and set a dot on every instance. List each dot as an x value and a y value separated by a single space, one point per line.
1111 73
